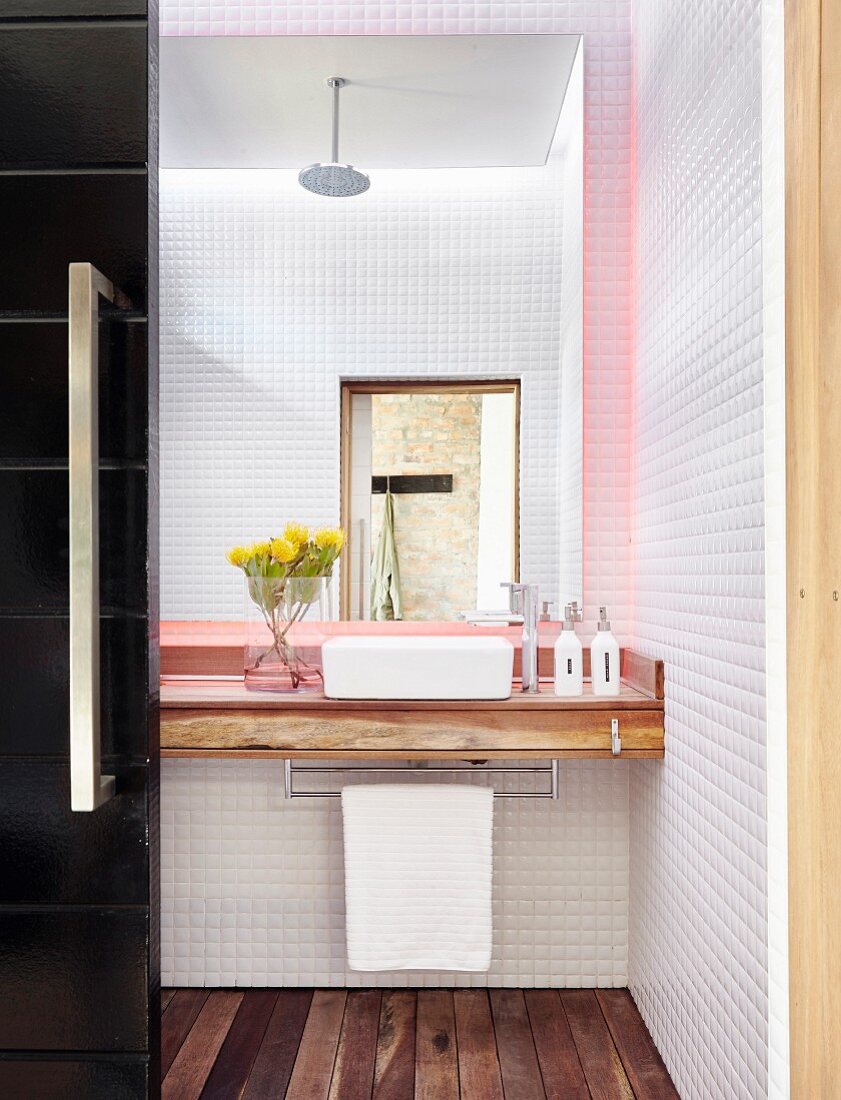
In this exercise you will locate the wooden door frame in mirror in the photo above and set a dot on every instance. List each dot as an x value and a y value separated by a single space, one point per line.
414 385
813 539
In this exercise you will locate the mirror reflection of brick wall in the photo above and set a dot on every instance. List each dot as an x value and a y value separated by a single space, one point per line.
437 534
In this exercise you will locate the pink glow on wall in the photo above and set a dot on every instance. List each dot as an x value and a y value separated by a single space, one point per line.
608 225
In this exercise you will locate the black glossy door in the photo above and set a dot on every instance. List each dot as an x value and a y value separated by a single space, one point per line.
79 983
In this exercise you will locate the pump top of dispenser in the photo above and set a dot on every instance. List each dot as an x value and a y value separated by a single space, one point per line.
572 615
603 620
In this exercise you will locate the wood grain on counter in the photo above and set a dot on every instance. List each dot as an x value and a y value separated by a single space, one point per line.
234 695
224 719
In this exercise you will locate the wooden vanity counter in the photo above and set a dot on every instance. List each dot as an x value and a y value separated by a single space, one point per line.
222 719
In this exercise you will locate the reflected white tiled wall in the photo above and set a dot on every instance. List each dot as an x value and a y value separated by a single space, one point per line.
698 822
270 296
552 846
253 888
608 290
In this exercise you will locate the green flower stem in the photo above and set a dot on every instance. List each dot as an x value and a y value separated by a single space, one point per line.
280 627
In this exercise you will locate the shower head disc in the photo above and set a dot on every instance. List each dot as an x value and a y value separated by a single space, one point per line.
334 180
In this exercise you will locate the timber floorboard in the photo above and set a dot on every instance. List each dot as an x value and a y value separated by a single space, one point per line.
391 1044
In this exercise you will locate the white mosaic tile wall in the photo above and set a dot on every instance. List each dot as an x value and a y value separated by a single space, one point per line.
698 822
570 464
588 946
773 308
270 296
698 846
253 888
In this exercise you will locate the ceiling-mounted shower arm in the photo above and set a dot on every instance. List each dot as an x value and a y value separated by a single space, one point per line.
336 83
334 179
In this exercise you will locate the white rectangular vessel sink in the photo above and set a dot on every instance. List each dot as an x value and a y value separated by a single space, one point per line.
417 667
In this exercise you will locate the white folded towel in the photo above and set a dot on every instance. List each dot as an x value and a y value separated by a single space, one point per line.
418 869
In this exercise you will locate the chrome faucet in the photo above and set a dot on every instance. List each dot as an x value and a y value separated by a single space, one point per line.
523 599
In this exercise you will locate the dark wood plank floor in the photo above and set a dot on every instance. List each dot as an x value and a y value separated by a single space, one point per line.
394 1044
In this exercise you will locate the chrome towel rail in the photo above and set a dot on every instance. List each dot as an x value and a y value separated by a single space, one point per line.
552 771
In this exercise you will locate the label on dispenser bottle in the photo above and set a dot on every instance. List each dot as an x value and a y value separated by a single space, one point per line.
607 668
569 666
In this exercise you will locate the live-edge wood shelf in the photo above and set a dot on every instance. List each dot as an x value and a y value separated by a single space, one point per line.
222 719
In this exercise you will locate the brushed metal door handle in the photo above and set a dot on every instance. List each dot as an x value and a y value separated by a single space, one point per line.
88 787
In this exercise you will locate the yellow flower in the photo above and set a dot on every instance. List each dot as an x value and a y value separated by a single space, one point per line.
239 555
329 538
259 549
297 534
283 550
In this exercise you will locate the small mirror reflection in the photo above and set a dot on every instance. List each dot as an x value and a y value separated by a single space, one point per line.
431 511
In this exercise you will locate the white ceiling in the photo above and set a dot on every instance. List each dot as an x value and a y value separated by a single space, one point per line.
419 101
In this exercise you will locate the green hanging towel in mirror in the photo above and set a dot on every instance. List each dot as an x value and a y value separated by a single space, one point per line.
385 570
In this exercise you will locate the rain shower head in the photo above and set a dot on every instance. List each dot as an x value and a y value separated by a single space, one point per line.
334 179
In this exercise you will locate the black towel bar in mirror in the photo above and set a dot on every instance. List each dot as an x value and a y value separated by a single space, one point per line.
412 483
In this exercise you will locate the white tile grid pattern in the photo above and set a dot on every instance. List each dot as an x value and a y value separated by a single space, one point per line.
270 296
698 831
253 888
687 847
608 347
608 342
570 464
773 306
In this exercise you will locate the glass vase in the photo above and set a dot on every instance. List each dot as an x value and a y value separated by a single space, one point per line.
284 632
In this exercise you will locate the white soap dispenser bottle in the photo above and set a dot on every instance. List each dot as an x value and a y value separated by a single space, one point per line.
569 656
604 659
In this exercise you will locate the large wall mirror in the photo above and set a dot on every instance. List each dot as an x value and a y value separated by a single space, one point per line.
423 337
